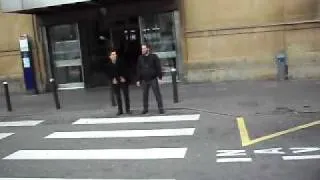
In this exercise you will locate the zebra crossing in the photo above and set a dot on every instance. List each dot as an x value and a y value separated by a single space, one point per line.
114 154
88 133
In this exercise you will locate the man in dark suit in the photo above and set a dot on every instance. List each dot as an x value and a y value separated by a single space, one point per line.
148 72
118 74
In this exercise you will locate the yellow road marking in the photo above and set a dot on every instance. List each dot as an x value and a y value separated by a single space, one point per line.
246 141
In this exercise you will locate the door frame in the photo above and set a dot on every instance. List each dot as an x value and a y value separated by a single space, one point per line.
51 65
177 35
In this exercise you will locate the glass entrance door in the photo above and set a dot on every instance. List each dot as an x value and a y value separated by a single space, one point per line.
159 31
66 56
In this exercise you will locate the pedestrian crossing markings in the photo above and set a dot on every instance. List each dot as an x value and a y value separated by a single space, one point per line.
114 154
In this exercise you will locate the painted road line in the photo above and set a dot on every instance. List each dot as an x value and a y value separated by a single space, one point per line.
269 151
226 153
19 123
72 179
145 119
299 150
4 135
122 134
102 154
246 141
227 160
295 158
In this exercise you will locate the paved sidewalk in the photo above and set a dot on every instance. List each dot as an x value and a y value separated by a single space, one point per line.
228 98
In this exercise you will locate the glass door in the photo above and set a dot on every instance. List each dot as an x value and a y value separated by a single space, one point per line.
159 31
66 56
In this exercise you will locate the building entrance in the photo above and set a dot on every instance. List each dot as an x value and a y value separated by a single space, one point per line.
78 42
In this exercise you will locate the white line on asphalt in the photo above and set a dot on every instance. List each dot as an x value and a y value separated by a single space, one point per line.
144 119
72 179
293 158
102 154
122 134
19 123
269 151
226 153
226 160
300 150
4 135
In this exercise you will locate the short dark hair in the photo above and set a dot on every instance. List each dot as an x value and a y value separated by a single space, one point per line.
111 51
147 45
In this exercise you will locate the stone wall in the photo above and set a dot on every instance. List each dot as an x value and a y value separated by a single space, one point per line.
238 40
11 70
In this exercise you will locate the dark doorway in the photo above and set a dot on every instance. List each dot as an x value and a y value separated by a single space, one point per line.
125 37
122 35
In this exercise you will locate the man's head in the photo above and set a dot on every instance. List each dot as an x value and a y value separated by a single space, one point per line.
145 49
113 55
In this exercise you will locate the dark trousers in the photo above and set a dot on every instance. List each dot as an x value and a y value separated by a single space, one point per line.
124 87
154 84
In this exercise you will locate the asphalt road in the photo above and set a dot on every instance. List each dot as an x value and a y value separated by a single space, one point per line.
198 147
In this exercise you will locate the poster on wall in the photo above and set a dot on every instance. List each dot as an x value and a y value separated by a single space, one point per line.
24 44
26 62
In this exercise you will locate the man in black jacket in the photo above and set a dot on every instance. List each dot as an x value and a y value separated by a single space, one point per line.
148 70
118 74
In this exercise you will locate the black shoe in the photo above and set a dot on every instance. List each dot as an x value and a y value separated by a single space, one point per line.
144 112
119 113
161 111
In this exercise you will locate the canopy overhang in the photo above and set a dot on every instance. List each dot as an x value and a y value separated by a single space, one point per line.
16 6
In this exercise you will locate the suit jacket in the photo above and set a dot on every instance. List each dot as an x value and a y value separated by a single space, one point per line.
149 67
116 70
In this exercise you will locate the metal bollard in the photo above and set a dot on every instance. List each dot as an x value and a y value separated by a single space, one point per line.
7 94
174 85
55 93
282 66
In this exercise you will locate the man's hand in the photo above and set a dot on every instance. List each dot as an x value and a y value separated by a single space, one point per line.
138 83
114 81
122 79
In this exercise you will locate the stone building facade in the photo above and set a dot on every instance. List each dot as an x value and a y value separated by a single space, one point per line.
205 40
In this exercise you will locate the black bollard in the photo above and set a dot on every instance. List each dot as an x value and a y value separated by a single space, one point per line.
7 94
174 85
55 93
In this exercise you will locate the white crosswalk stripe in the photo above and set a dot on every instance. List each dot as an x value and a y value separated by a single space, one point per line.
5 135
101 154
150 119
19 123
122 134
72 179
